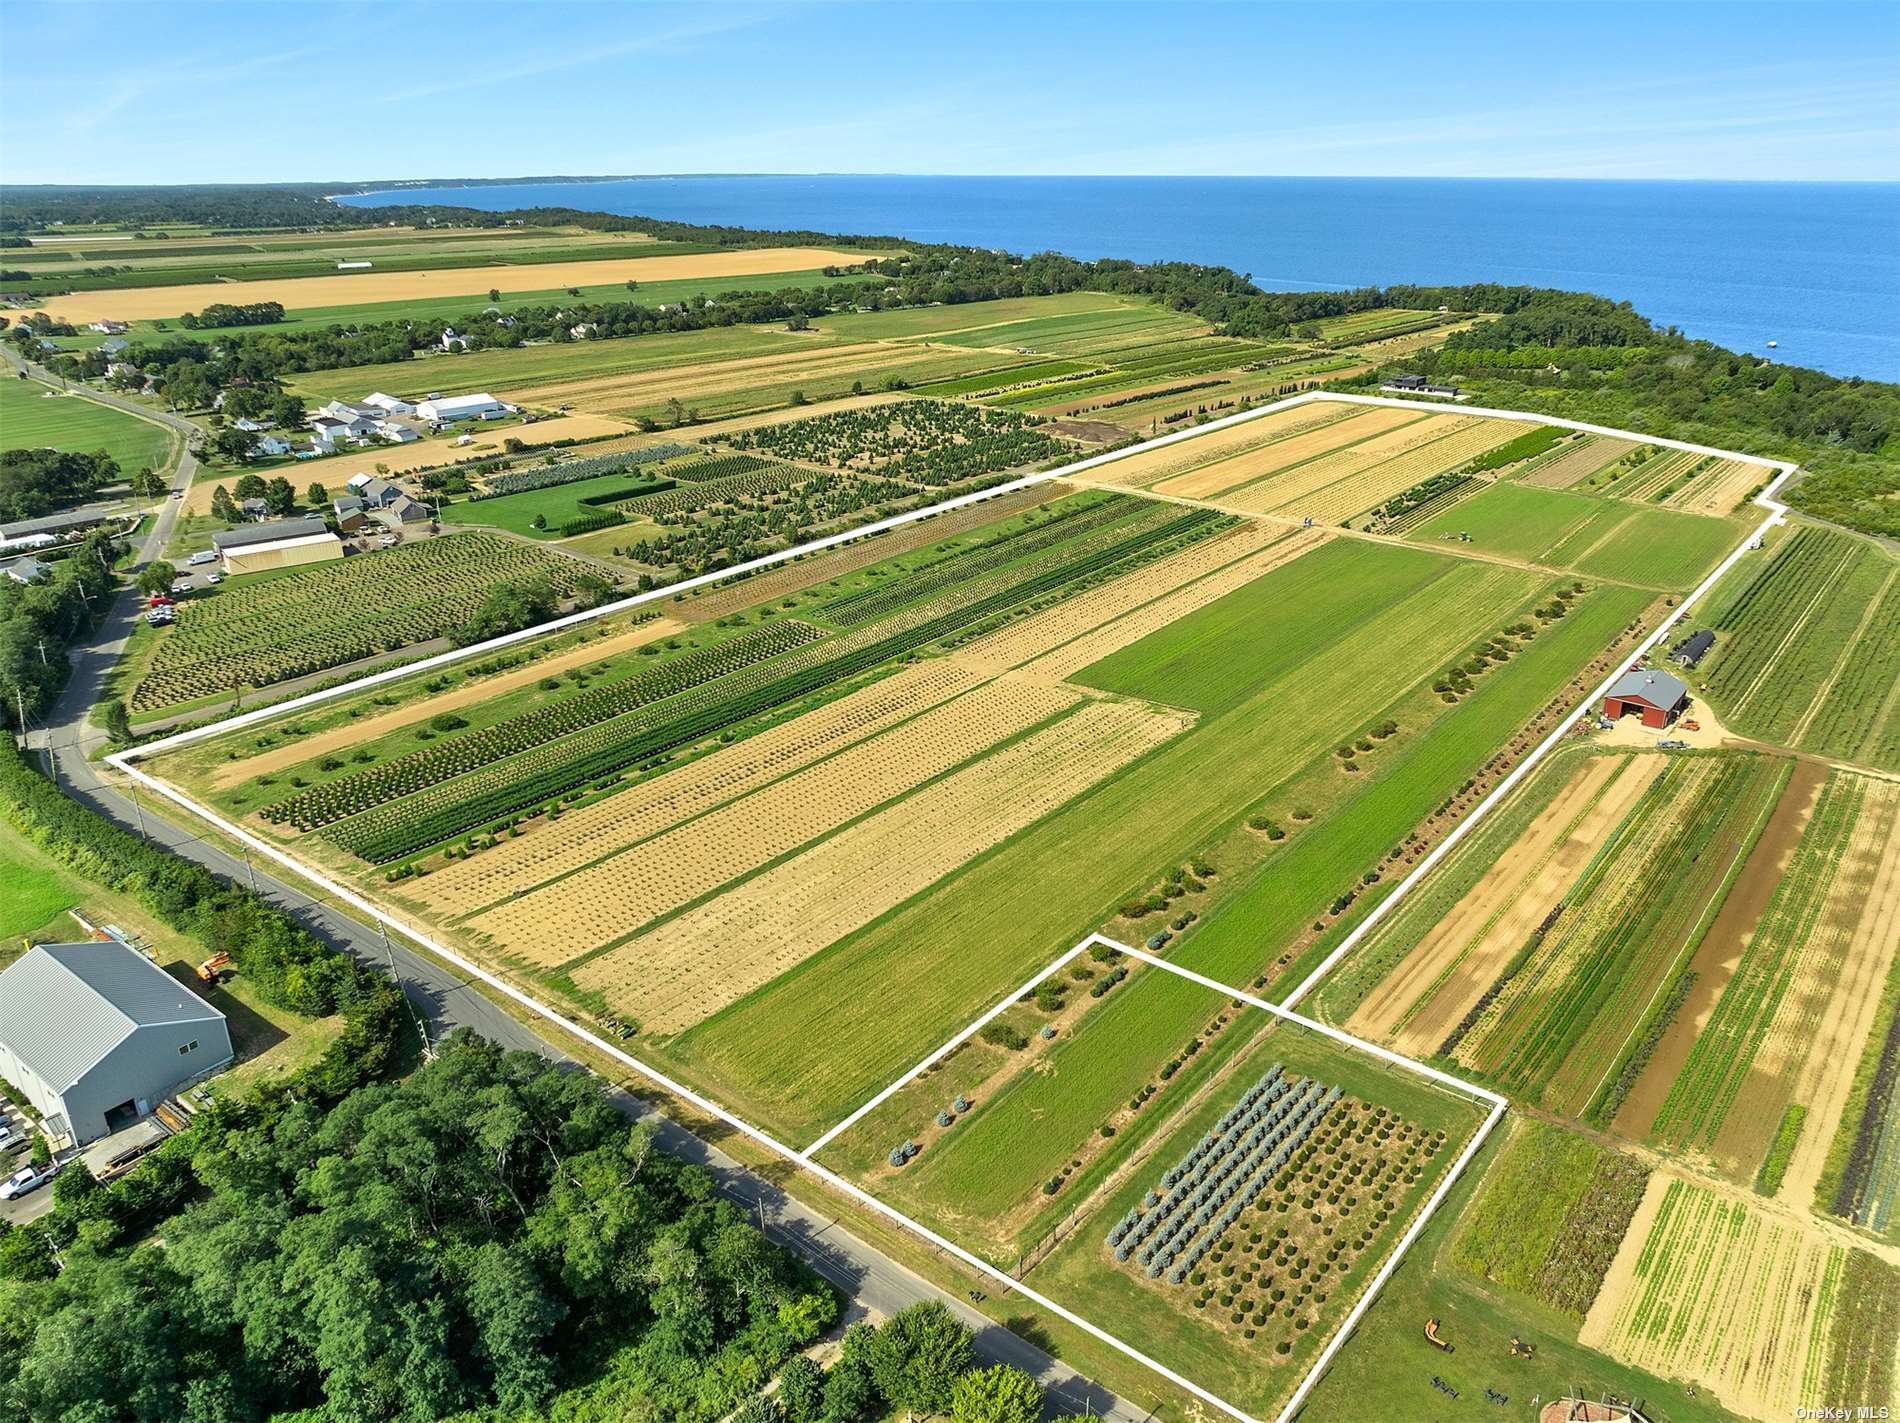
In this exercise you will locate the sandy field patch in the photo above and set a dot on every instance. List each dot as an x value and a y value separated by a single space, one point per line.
594 907
368 728
1716 1290
1818 1034
365 288
1297 488
548 849
1363 489
1719 488
1152 465
750 935
1244 466
1418 1004
1579 462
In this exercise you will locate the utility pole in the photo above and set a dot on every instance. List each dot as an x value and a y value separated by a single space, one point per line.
248 868
389 949
133 784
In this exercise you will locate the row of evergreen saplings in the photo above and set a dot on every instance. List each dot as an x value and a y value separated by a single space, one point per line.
600 753
550 476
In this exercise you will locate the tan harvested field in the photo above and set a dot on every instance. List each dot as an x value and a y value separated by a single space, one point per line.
1060 641
1146 469
1336 486
1717 489
366 288
1814 1043
789 578
1418 1004
596 906
550 849
707 379
1579 462
1715 1290
368 728
1206 481
336 470
744 938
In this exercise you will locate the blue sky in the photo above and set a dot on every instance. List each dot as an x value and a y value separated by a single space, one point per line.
192 91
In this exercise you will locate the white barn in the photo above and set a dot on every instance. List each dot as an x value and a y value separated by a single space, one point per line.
445 410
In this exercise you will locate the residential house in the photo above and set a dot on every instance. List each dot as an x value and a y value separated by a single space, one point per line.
350 513
28 570
450 340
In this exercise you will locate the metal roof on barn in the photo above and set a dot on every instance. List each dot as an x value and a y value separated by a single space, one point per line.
63 1007
1659 689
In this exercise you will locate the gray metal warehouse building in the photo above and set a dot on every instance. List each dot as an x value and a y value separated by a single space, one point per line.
96 1035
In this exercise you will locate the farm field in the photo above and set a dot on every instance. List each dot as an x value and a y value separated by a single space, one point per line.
1550 1217
1805 654
150 303
1795 1011
1230 1228
234 636
1564 1022
1434 958
1757 1308
33 417
1255 722
1657 548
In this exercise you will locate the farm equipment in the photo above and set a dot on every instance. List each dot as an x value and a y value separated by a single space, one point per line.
1692 726
1521 1350
1434 1338
212 969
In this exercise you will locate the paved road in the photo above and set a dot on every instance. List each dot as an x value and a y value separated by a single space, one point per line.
874 1282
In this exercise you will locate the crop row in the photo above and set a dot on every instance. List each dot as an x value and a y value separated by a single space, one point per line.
880 599
1723 1057
730 489
323 804
450 808
1177 1231
717 467
523 481
257 633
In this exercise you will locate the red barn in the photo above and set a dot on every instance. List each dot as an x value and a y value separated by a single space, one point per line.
1655 696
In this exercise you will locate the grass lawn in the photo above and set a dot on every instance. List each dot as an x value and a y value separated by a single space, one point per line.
32 891
555 506
33 417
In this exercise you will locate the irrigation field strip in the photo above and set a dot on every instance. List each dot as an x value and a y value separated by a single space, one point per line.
125 762
1493 1100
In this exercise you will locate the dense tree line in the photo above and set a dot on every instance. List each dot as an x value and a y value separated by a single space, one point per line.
256 313
38 621
1603 362
36 482
468 1241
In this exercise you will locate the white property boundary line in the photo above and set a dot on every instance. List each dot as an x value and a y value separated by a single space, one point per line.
125 762
1494 1100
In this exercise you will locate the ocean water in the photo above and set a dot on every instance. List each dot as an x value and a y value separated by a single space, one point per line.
1814 267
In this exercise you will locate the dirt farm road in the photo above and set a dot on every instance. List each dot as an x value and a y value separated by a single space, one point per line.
874 1283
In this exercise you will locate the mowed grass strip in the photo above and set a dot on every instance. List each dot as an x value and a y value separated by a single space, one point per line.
870 1006
34 417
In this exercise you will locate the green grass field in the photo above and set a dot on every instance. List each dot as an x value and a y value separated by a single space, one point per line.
1657 548
32 418
554 506
32 891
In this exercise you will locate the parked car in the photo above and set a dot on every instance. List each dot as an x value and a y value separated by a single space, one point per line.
158 600
25 1181
215 576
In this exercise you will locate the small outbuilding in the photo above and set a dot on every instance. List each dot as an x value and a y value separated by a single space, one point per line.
1655 696
96 1035
1691 650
